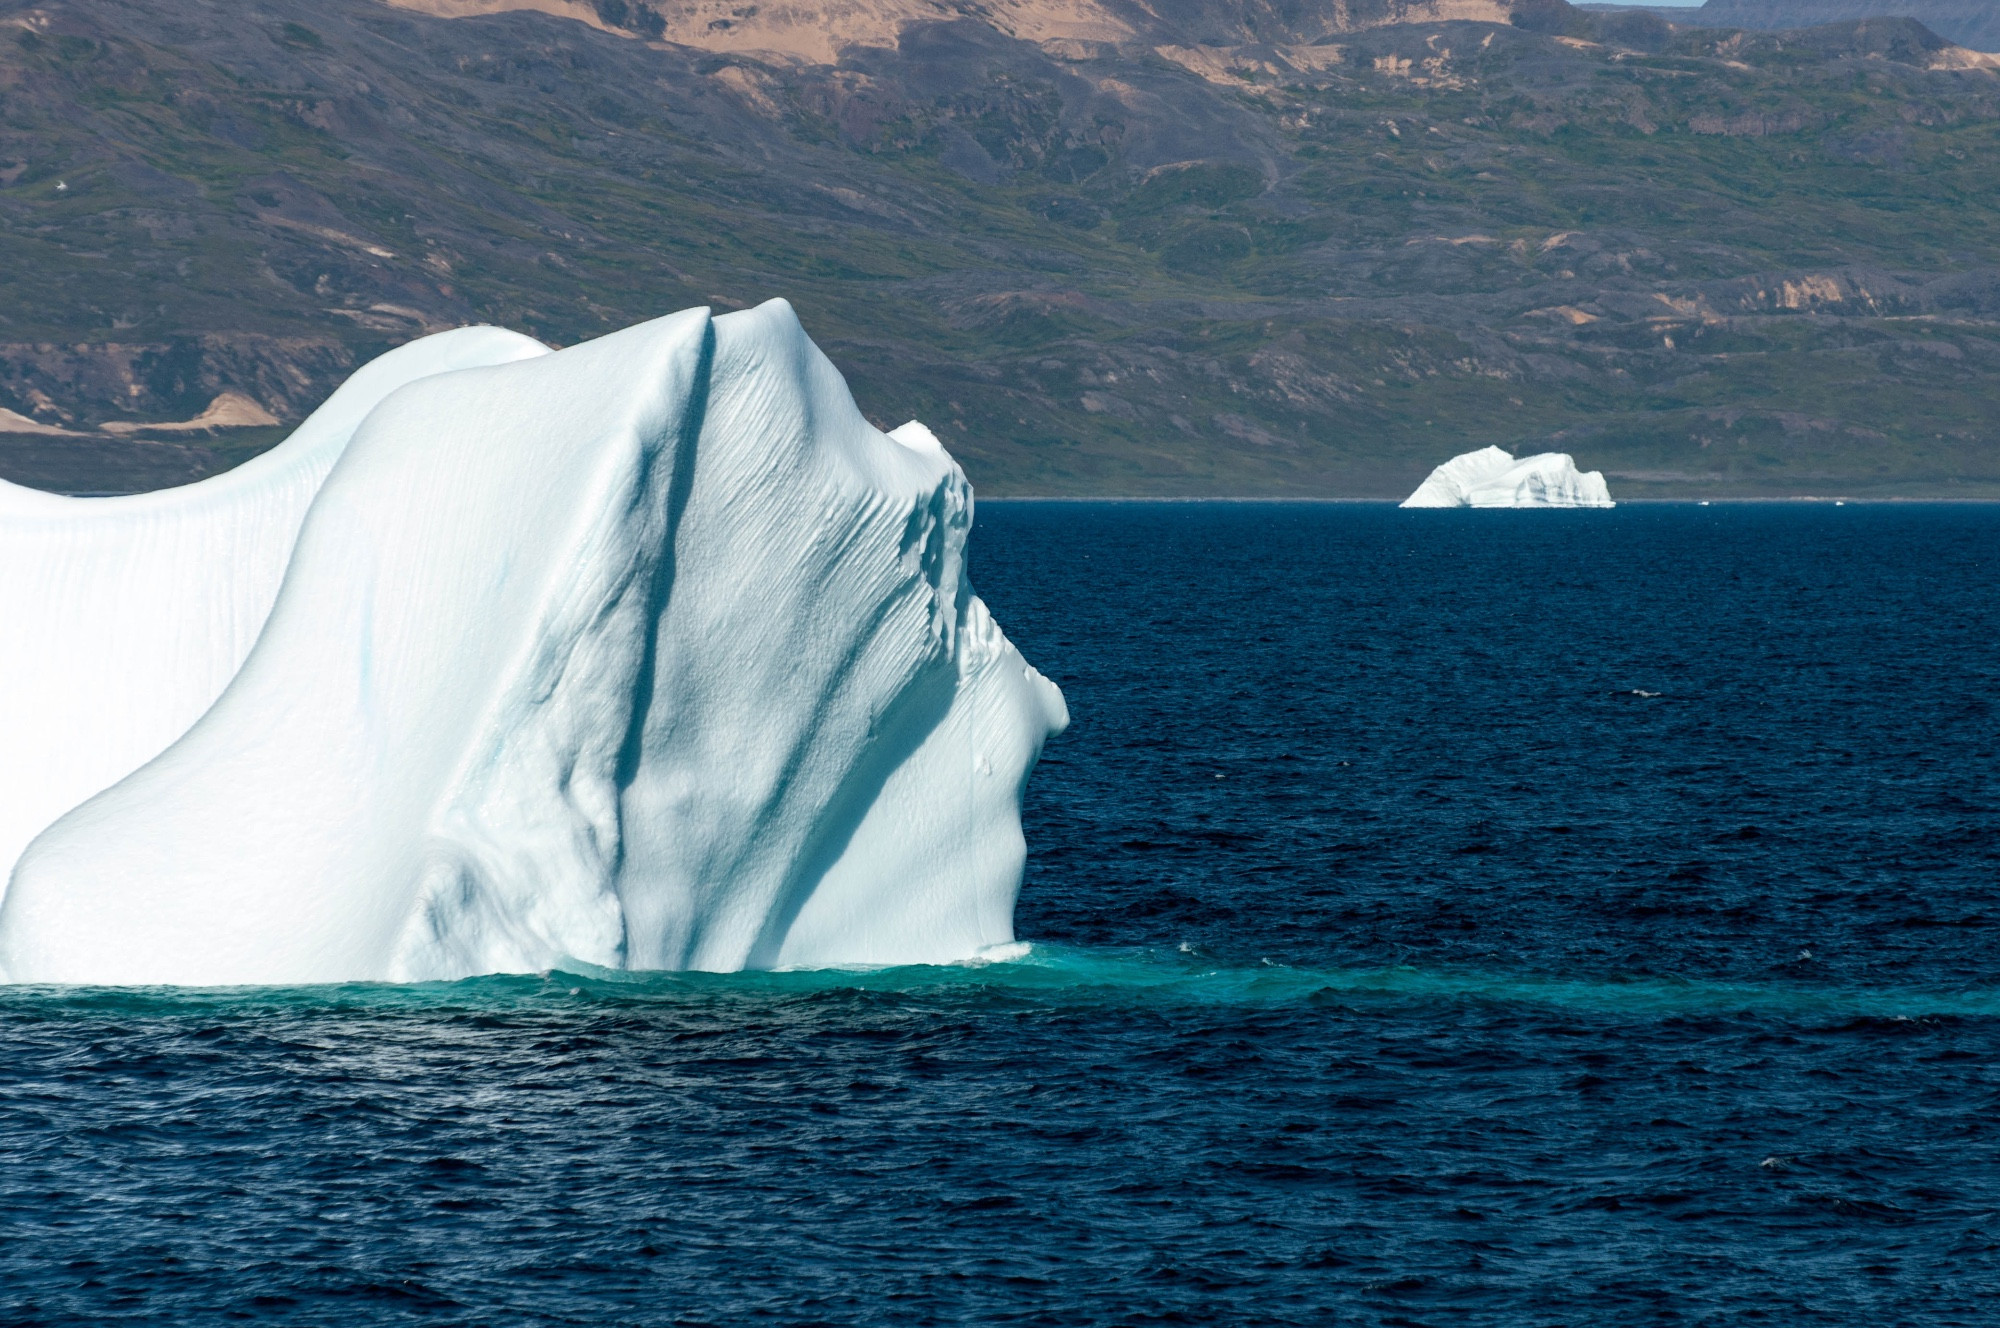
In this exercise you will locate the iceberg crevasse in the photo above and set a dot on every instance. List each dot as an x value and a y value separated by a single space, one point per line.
649 653
1492 477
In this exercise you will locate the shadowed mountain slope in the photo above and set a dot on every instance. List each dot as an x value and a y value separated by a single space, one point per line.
1238 248
1970 23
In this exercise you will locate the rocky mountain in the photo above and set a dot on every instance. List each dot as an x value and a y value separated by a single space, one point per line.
1969 23
1207 246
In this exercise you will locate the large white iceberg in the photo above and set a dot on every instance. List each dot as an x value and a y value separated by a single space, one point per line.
647 653
1492 477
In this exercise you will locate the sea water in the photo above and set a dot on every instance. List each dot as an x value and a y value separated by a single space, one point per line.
1431 917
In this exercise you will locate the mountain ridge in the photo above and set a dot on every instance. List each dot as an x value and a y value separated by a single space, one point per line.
1974 24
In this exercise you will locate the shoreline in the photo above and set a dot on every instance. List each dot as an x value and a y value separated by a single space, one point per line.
1827 500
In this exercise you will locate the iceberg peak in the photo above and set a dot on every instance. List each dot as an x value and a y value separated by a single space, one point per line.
917 437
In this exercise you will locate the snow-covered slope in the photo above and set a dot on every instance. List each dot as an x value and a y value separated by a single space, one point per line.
121 619
648 653
1491 477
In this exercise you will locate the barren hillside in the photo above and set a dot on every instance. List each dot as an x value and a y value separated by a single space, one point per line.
1202 247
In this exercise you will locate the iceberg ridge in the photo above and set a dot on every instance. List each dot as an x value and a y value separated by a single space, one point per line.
126 617
647 653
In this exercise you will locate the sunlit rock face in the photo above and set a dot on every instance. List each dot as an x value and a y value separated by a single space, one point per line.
647 653
1491 477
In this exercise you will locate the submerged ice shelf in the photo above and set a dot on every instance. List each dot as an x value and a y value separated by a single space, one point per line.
1492 477
649 653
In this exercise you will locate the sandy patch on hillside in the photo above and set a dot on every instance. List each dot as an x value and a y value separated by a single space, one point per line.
231 410
582 13
12 421
816 31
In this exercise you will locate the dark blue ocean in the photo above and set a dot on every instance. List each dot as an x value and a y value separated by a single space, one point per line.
1438 918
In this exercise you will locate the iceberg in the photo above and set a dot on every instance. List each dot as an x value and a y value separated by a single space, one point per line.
646 653
126 617
1492 477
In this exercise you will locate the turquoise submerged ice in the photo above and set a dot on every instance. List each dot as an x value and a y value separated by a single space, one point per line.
650 653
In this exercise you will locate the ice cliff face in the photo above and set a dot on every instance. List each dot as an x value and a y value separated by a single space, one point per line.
1491 477
649 653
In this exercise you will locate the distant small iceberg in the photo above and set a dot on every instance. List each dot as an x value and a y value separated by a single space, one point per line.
1492 477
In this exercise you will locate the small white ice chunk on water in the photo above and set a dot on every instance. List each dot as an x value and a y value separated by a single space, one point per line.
1492 477
648 653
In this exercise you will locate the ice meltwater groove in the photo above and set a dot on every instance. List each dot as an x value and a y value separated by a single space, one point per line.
647 653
